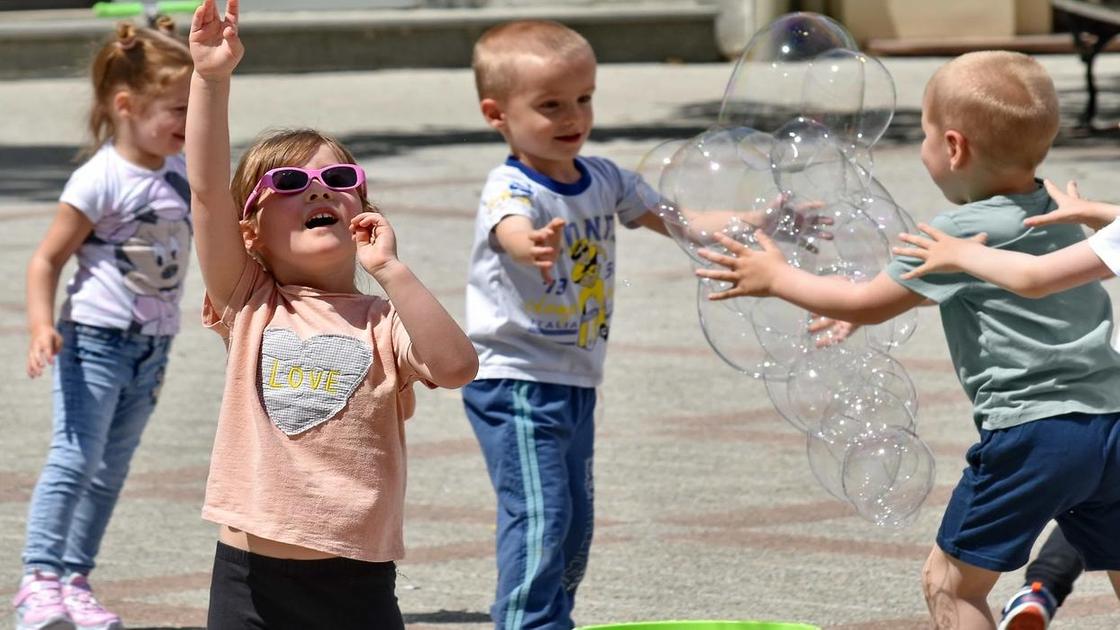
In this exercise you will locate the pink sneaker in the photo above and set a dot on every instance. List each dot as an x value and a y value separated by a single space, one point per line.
86 612
39 603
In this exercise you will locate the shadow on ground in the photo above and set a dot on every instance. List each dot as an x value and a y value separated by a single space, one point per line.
38 173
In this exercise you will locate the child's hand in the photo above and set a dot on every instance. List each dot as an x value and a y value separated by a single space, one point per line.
546 246
215 46
752 272
45 344
377 244
829 332
786 222
940 252
1073 209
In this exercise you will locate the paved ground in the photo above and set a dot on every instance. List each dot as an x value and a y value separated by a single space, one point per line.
706 505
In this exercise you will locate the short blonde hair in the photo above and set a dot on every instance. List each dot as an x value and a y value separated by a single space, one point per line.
499 48
1003 102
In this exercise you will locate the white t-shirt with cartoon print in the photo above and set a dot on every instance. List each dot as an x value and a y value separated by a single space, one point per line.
131 267
523 327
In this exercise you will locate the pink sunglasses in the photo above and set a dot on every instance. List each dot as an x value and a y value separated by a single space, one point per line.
288 180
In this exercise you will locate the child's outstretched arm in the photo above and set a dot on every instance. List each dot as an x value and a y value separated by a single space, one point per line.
528 245
1072 208
437 340
66 234
216 50
1022 274
766 273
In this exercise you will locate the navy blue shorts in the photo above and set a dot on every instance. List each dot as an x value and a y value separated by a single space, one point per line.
1065 468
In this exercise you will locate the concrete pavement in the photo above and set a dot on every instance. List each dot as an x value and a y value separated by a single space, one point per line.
706 504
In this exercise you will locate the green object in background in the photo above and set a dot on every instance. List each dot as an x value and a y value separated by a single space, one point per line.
703 625
129 9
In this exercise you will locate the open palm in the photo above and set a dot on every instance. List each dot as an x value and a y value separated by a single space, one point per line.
215 46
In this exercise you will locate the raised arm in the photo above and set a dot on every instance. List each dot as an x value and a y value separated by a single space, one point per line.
1022 274
216 50
766 273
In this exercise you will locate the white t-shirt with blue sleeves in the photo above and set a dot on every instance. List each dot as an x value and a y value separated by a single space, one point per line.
556 332
131 267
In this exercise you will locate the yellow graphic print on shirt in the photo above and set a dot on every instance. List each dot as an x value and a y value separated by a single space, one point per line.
592 302
575 308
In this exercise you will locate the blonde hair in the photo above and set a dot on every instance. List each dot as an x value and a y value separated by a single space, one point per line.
143 61
1003 102
500 46
283 147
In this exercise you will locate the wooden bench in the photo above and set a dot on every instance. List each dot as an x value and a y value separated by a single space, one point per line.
1092 25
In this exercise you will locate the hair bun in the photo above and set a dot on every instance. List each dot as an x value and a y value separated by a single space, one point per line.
126 35
164 24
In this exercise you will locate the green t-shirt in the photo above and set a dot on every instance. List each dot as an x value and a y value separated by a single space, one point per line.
1021 359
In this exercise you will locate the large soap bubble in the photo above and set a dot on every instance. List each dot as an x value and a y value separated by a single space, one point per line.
853 95
728 328
765 89
888 476
852 418
790 158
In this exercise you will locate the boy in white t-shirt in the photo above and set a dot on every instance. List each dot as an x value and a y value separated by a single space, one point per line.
539 301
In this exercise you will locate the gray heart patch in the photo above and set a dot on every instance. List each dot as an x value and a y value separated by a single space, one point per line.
305 383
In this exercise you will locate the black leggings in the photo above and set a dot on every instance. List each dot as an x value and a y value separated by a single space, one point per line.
1057 566
250 591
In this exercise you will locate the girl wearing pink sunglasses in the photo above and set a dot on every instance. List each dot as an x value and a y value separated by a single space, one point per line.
307 474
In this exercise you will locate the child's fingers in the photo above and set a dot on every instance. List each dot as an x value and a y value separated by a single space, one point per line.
1072 190
722 275
818 324
911 252
933 232
197 20
1050 218
733 245
725 295
719 259
914 239
917 272
1053 189
233 10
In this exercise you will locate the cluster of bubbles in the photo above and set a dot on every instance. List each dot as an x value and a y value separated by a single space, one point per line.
790 157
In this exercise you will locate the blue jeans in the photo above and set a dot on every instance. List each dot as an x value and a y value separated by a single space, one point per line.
106 382
537 439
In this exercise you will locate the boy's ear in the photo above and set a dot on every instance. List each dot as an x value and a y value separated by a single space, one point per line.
493 113
958 148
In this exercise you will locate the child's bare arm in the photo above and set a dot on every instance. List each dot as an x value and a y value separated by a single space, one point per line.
1072 208
438 342
1022 274
528 245
216 50
766 273
65 235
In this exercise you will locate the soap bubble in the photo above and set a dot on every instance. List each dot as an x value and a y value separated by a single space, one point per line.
888 476
765 88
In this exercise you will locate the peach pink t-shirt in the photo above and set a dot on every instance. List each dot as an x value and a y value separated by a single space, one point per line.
310 446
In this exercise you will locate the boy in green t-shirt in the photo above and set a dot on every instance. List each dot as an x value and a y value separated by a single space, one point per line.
1043 379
